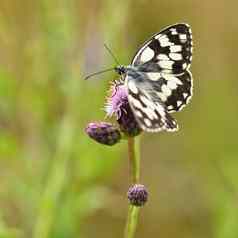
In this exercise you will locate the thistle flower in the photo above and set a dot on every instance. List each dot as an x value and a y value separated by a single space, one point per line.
103 132
117 104
137 195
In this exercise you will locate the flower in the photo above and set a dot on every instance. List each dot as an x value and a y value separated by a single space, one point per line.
117 99
137 195
103 132
117 104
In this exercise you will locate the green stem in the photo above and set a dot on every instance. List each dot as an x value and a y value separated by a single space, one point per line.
134 160
132 220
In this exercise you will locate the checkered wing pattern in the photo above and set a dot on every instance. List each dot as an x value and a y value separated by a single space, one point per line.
169 51
147 105
159 81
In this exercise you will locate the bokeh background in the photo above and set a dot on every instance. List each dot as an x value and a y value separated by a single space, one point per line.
54 181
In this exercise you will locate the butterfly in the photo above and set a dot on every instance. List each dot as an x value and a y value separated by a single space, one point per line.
158 79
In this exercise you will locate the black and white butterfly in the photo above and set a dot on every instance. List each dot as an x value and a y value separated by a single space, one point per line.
158 80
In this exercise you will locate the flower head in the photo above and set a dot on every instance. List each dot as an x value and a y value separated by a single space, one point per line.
117 99
137 195
117 104
103 132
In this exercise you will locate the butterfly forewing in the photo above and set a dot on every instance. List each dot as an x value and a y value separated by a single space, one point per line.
170 50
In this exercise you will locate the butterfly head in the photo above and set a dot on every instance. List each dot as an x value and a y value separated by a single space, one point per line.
120 69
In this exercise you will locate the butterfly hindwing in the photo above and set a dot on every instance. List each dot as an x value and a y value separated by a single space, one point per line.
174 91
149 110
181 92
169 51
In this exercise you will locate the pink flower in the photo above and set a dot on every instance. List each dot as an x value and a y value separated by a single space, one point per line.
117 104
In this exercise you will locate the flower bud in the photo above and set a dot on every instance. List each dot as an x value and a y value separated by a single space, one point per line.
103 132
137 195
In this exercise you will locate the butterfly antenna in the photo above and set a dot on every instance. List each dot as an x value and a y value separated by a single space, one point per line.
99 72
110 52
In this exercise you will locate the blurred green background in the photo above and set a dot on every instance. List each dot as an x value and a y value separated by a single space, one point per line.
55 181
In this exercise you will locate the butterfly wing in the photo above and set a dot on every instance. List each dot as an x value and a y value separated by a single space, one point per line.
181 91
148 108
169 51
159 81
175 91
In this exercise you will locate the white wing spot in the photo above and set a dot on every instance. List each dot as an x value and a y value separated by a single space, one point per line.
166 90
147 102
159 36
162 96
153 76
162 57
160 109
150 113
172 78
179 103
183 38
167 64
139 114
175 56
184 65
164 41
185 95
174 31
147 54
175 48
147 122
170 107
135 102
132 87
172 84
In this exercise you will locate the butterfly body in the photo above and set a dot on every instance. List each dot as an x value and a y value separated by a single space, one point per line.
158 80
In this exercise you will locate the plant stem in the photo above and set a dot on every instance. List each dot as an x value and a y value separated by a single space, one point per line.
132 220
134 161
